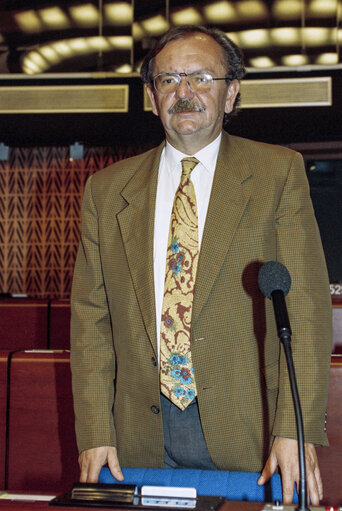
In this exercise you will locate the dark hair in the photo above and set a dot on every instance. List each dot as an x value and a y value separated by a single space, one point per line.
231 52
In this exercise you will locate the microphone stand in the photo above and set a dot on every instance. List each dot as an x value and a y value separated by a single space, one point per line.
284 334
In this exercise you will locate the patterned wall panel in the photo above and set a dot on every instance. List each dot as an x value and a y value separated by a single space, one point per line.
40 201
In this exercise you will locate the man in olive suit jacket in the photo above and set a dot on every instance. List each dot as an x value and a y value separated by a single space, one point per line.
254 206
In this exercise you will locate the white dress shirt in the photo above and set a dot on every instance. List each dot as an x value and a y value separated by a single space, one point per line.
170 170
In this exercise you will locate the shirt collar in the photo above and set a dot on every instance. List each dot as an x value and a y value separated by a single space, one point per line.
207 155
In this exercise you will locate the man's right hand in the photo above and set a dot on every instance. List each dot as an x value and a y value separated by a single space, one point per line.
92 460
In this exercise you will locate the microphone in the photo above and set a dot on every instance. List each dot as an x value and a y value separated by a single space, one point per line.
275 282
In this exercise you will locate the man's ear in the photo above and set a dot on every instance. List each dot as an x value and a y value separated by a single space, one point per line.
233 91
150 92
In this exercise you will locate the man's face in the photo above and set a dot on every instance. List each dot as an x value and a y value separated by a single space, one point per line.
196 52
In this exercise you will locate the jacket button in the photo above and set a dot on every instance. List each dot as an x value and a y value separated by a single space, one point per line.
154 362
155 409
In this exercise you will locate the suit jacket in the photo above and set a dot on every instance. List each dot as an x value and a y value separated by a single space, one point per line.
259 210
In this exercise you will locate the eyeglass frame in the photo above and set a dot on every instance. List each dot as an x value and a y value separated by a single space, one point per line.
227 78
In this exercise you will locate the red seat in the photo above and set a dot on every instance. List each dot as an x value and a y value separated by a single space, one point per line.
59 331
42 453
23 323
3 411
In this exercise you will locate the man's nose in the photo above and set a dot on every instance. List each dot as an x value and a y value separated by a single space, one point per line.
183 90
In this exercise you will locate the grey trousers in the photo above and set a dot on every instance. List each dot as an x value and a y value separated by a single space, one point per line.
184 443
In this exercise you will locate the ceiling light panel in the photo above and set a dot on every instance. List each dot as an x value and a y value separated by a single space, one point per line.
316 36
123 42
220 12
50 54
137 31
98 43
156 25
125 68
54 18
287 9
319 8
187 17
86 15
258 38
327 59
28 21
286 36
262 62
62 48
295 60
251 9
119 13
79 45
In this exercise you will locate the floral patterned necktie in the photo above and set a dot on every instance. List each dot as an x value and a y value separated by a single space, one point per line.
176 372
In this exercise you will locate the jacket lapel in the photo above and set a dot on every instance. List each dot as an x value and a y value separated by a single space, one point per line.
227 203
137 229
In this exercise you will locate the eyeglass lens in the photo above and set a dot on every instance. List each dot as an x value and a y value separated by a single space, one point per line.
198 82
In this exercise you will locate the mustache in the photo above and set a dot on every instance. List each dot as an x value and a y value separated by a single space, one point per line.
186 105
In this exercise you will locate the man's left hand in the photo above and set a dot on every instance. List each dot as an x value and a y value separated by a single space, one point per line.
284 453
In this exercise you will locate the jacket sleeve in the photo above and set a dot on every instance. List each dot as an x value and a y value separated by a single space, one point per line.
309 306
92 353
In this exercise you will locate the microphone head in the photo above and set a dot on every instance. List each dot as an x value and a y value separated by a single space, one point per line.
274 276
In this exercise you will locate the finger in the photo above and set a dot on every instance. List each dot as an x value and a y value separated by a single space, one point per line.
93 471
313 490
288 487
319 482
114 465
268 470
83 468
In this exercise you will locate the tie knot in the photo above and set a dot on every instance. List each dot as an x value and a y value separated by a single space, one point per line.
188 165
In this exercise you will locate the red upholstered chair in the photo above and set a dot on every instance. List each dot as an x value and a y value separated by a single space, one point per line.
330 458
23 323
3 410
42 453
59 325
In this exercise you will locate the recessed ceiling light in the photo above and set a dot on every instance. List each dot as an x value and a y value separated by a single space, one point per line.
120 13
287 9
125 68
262 62
49 54
322 8
137 31
187 17
295 60
258 38
327 59
98 43
62 48
156 25
79 45
251 9
85 15
122 42
315 36
54 17
28 21
220 12
285 36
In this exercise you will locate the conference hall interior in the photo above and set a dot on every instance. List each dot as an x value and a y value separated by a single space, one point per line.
71 103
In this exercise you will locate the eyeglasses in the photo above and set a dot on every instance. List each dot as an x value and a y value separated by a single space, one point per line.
166 83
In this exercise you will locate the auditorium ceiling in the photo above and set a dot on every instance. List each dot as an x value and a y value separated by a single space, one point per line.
74 36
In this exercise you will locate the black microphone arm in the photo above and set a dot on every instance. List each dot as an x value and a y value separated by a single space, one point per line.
275 282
